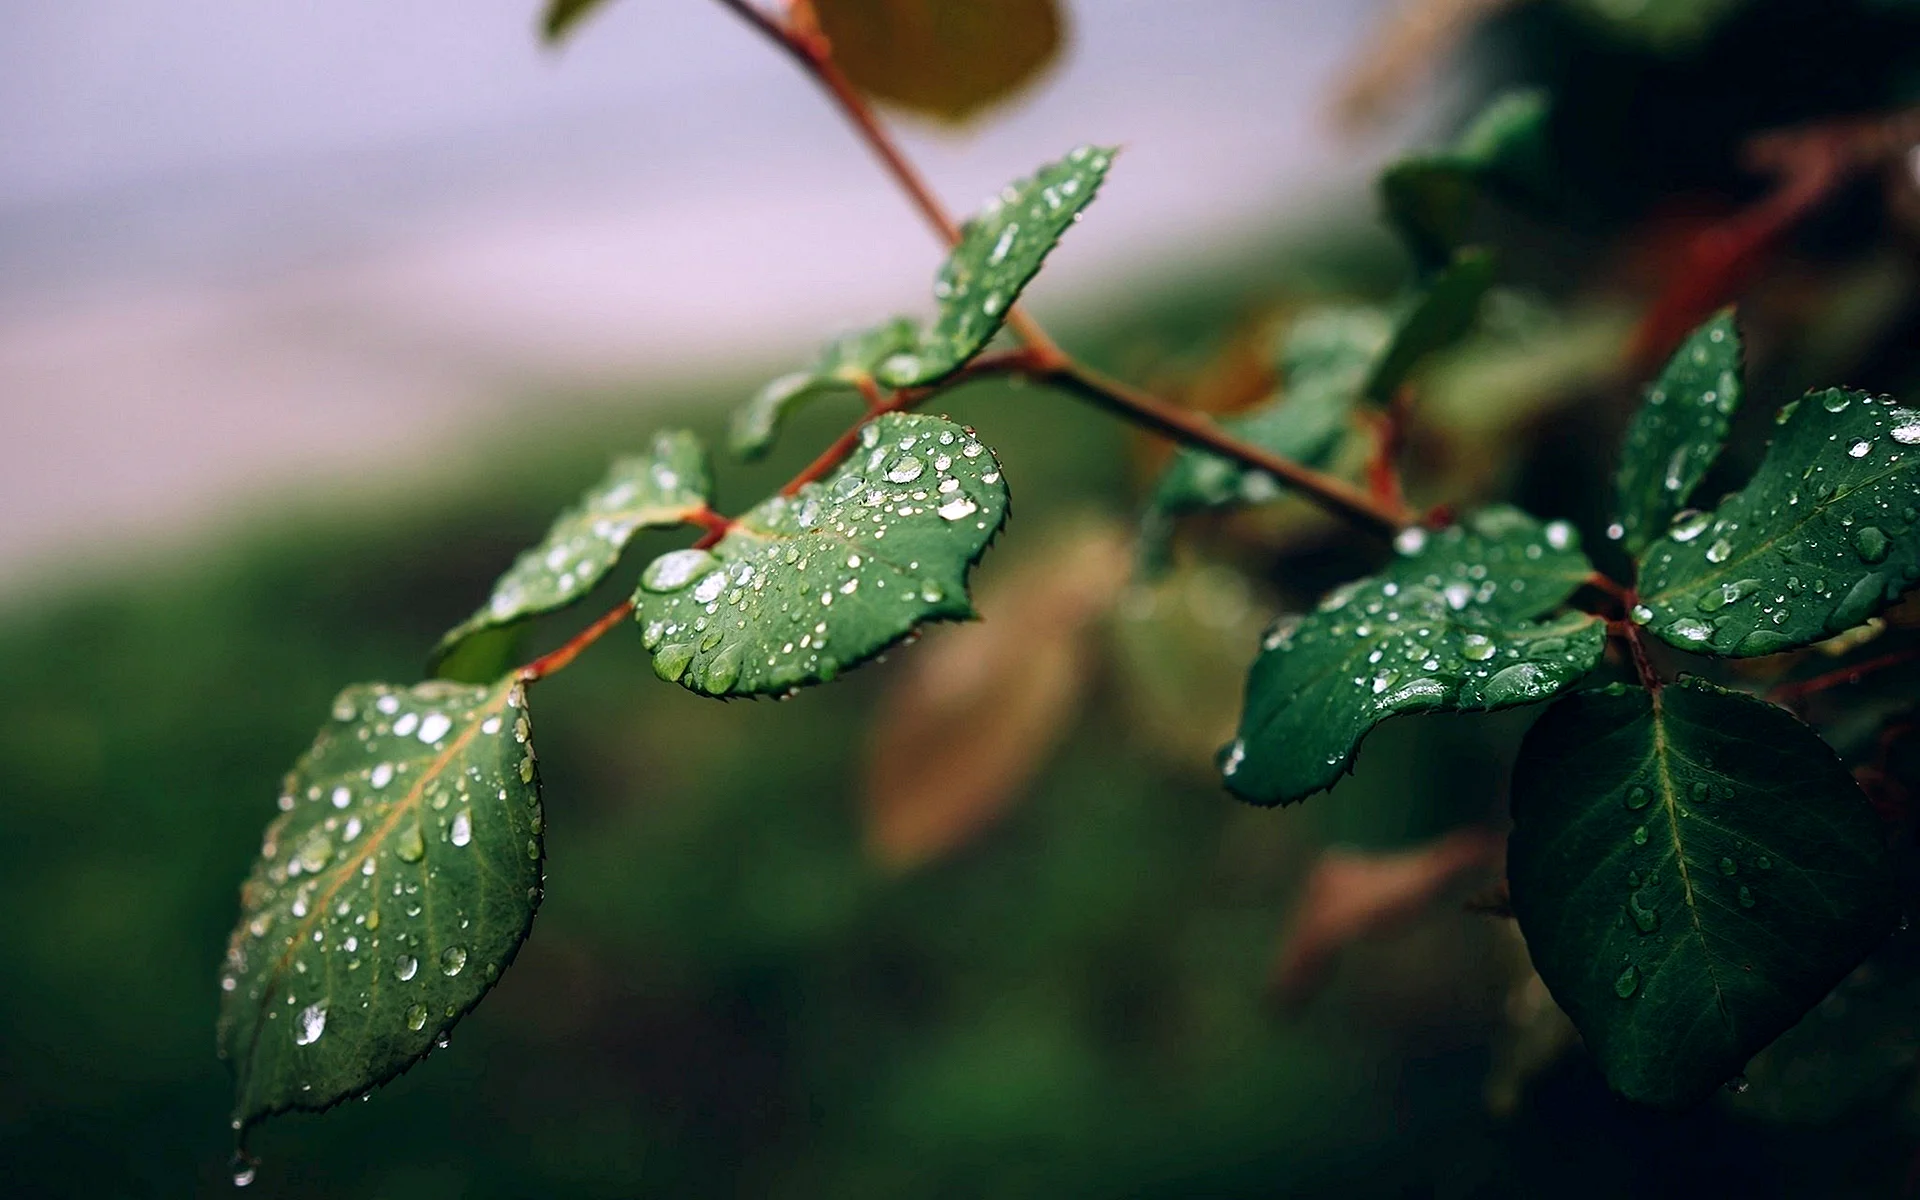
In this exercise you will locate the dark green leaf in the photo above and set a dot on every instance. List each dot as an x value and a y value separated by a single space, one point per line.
847 364
1819 540
1443 313
562 16
395 886
1000 252
1431 198
1323 362
1693 870
1449 625
806 586
943 58
657 490
1678 432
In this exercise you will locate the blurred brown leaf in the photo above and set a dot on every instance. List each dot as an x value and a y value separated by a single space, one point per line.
964 731
1404 52
946 59
1351 895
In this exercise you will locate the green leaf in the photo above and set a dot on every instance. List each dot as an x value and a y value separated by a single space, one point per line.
656 490
1818 541
1000 252
805 586
1431 198
1324 360
562 16
1693 870
395 886
1444 312
846 364
946 59
1679 431
1449 625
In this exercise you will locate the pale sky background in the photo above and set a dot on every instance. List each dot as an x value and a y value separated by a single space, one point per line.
249 248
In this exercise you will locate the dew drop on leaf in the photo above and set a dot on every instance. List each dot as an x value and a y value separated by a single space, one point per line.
452 960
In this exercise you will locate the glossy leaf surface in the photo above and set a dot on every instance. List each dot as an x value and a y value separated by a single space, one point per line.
397 883
656 490
1693 870
847 364
1000 251
1450 625
1678 432
1822 538
946 59
805 586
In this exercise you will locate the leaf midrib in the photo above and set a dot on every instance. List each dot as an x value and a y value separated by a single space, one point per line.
1670 804
350 866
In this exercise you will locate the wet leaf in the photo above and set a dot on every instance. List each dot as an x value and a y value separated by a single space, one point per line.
846 364
1431 198
981 706
1351 895
947 59
397 883
1325 358
652 491
805 586
1449 625
1441 314
1693 870
1822 538
563 16
1000 251
1678 432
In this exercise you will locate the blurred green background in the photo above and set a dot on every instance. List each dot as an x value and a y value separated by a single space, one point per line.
725 994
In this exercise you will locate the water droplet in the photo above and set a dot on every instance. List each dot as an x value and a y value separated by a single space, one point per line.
434 727
905 469
670 661
462 831
1720 551
956 508
452 959
1860 449
1835 401
416 1016
405 966
1691 630
1738 1084
1411 540
1871 544
723 669
1746 897
411 847
1688 524
1640 835
310 1024
1478 648
243 1168
1645 917
1627 982
1906 428
674 570
1518 683
1560 535
1638 798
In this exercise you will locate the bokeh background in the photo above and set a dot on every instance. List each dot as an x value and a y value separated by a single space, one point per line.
311 316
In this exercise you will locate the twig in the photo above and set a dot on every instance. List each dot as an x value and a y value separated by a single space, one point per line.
1790 693
1047 362
547 664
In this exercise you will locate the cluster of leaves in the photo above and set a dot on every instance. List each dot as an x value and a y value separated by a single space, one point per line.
405 868
1693 869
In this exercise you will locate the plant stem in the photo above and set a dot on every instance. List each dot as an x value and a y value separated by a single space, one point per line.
557 660
1788 693
1047 362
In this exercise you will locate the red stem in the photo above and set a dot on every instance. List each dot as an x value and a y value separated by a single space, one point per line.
1788 693
547 664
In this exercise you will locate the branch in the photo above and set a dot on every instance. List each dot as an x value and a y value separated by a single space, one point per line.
1791 693
1044 360
558 660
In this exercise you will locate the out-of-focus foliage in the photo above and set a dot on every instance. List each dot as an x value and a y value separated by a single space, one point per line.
946 59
